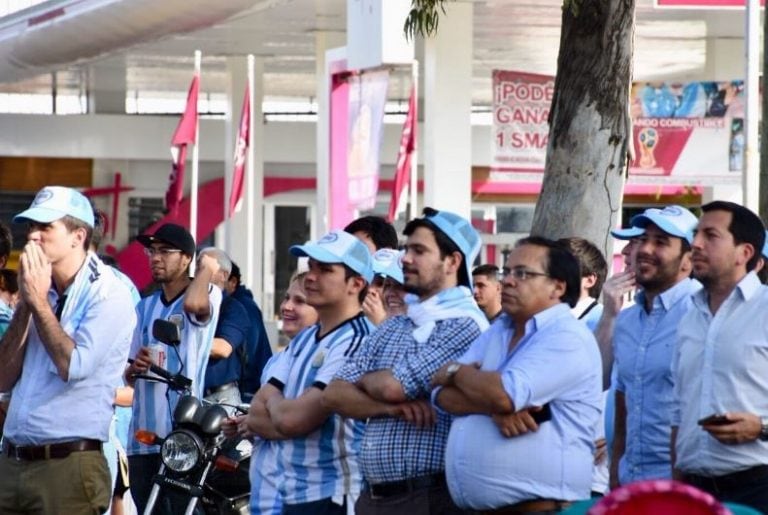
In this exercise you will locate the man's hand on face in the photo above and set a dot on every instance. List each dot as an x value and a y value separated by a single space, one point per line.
614 290
35 274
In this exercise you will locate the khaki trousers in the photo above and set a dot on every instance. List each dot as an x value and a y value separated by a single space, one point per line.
75 485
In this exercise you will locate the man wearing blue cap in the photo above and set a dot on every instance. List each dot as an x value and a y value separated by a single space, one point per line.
318 449
644 344
62 355
388 380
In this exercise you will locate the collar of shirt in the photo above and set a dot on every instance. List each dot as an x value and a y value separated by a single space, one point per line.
746 288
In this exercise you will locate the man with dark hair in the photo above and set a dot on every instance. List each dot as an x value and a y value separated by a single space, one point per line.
317 448
387 381
720 420
257 350
487 290
503 387
644 344
62 357
193 305
374 231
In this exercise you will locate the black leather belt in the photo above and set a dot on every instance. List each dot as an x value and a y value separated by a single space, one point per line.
405 486
220 388
727 481
49 452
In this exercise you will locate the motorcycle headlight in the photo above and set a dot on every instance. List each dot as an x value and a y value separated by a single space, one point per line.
181 451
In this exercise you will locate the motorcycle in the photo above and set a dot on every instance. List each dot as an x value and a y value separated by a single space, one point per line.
197 460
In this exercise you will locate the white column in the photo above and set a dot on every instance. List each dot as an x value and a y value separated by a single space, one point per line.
323 41
234 232
447 133
107 86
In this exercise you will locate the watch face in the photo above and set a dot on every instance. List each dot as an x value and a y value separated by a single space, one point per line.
453 368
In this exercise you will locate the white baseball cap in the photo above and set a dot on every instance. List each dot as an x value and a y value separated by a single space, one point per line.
389 263
54 202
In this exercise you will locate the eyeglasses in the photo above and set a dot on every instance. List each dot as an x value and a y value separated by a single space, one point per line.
521 274
162 252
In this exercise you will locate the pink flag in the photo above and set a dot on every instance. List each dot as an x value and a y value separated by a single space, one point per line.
403 168
186 133
241 152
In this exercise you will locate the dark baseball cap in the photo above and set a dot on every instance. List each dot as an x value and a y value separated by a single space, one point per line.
171 234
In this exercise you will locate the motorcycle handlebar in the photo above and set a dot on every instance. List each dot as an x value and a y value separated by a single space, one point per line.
176 381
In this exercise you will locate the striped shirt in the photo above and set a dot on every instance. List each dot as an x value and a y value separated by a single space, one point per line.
153 402
394 449
266 473
323 463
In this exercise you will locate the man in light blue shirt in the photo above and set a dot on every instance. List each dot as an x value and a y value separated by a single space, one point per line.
644 342
63 355
720 421
535 359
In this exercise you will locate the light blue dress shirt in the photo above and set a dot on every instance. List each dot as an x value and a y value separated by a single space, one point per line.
721 365
556 362
99 316
644 344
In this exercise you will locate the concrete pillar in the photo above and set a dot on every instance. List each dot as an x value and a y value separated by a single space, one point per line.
724 59
107 86
447 133
323 41
236 232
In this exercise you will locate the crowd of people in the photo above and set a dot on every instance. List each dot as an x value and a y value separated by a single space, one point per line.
413 382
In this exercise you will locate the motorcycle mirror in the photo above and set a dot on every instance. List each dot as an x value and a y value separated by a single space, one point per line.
186 409
210 418
166 332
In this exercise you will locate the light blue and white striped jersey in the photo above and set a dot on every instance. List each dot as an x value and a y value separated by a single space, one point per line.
153 402
322 464
266 472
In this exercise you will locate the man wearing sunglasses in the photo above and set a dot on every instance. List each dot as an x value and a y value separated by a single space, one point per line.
193 305
526 395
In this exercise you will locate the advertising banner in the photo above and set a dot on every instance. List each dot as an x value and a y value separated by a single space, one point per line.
367 96
682 132
703 4
520 110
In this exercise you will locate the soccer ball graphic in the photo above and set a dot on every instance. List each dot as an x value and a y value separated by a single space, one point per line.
648 138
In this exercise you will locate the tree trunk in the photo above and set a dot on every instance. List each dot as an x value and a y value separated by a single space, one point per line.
590 127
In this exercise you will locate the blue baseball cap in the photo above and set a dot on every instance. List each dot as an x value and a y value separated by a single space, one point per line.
627 233
389 263
460 232
54 202
674 220
339 247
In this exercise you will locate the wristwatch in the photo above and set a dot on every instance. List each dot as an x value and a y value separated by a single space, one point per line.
451 370
763 429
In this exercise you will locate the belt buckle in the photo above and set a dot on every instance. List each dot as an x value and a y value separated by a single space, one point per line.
16 453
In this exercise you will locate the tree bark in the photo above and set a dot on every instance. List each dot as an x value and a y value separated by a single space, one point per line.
590 126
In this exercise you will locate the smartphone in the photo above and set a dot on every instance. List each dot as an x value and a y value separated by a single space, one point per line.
544 414
714 420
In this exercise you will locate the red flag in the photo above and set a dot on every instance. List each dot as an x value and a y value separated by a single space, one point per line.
407 146
241 152
186 133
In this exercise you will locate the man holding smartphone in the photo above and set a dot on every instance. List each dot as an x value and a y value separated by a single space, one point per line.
644 342
721 361
503 386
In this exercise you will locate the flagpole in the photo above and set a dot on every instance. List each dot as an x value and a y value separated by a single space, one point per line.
195 170
414 182
250 181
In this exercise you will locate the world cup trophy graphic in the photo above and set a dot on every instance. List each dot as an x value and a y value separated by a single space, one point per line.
648 138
